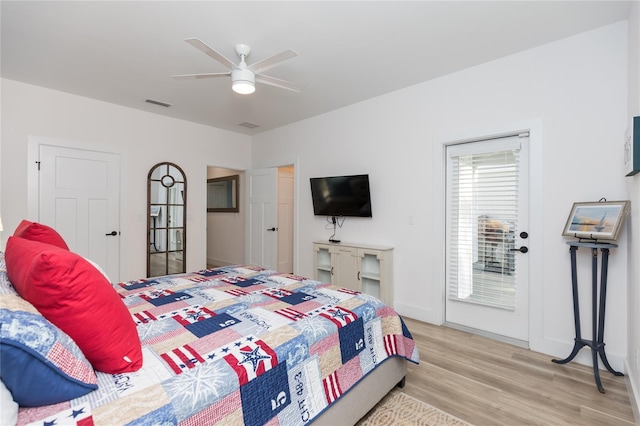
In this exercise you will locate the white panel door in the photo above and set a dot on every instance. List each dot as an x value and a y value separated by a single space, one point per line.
79 196
262 217
487 264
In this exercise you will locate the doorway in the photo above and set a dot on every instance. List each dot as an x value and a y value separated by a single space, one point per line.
228 233
270 218
285 218
487 220
225 228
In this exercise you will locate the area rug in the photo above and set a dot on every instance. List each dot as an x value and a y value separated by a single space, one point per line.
400 409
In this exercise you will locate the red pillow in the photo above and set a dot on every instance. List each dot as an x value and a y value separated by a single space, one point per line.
78 299
39 232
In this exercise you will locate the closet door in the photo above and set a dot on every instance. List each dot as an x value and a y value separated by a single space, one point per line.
79 195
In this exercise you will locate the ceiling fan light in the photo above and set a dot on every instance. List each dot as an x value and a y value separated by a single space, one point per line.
243 87
243 81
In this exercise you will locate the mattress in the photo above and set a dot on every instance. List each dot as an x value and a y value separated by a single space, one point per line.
238 345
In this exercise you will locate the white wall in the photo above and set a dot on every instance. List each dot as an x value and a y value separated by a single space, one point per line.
143 139
573 94
225 231
633 188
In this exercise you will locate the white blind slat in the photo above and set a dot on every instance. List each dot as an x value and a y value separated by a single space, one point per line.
483 189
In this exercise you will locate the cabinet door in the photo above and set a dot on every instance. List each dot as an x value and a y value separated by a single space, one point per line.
323 263
369 267
346 268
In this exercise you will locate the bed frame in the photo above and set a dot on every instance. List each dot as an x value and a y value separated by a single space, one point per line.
356 403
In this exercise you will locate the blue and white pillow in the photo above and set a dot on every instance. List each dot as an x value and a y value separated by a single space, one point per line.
39 363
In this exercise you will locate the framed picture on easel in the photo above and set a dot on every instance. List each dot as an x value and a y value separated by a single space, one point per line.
601 220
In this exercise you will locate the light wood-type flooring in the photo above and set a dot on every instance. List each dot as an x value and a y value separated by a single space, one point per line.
486 382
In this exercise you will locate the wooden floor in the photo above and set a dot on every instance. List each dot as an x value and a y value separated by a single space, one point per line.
486 382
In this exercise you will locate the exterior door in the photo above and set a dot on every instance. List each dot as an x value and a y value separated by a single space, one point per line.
487 209
262 217
79 196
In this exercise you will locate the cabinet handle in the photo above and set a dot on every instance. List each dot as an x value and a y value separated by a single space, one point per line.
358 275
332 271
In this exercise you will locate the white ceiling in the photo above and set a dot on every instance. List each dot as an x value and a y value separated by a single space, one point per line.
125 52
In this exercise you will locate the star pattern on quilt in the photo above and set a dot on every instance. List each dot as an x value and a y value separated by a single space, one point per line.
76 413
339 314
322 309
194 315
253 357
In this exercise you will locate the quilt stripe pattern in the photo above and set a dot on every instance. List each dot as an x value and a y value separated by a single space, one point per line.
238 345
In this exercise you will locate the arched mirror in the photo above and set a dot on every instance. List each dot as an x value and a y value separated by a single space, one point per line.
166 226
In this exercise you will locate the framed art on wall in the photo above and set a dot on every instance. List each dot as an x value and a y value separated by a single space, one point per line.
632 148
596 220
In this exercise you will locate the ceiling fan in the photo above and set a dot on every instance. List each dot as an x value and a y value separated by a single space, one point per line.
244 76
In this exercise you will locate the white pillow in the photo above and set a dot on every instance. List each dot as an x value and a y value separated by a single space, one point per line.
9 412
95 265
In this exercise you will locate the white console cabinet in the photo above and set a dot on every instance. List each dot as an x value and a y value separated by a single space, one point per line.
364 268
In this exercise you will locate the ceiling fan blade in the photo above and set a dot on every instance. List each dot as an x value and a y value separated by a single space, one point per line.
272 61
205 75
283 84
200 45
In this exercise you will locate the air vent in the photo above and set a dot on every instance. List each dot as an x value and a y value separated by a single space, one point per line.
152 101
248 125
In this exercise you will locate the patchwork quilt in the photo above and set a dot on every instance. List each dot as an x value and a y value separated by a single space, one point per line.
238 345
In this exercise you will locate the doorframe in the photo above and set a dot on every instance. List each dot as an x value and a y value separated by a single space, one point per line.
296 214
33 178
536 199
205 217
295 163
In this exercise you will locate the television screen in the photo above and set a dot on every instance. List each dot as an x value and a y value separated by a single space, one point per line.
341 196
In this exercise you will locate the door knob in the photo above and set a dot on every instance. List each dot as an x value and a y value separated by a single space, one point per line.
272 229
522 249
111 234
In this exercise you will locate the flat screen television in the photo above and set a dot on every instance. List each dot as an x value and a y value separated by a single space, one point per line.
341 196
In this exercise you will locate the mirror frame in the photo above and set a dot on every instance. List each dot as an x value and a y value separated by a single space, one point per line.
167 181
235 196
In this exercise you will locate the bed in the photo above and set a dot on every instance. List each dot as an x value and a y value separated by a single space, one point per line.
232 345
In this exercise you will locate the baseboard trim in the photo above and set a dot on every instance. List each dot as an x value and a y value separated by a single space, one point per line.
633 392
499 338
220 262
416 312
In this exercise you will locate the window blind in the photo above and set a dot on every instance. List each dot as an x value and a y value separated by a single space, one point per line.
482 210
